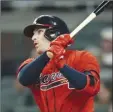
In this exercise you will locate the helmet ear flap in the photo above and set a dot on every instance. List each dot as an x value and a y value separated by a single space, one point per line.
52 33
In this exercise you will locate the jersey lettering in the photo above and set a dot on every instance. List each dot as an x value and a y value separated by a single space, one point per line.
52 80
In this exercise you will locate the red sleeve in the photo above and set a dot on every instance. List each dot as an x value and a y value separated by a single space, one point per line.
90 63
22 65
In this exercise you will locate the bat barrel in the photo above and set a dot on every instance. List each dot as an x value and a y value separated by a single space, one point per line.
96 12
101 7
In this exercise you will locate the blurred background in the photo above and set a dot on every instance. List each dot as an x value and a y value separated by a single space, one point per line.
96 37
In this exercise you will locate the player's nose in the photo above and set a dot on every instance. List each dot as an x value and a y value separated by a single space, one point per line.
34 37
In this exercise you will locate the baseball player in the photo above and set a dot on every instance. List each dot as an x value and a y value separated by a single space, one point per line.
69 80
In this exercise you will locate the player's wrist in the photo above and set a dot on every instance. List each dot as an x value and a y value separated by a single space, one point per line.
59 61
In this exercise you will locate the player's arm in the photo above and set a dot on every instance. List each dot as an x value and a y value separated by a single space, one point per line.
87 81
91 69
30 72
79 80
57 47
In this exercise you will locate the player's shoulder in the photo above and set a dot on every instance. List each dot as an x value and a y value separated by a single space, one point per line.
88 57
25 62
86 53
82 55
79 53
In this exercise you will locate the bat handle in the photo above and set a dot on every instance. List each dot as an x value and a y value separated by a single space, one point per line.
50 54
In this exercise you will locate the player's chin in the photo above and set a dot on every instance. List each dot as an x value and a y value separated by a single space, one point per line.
40 51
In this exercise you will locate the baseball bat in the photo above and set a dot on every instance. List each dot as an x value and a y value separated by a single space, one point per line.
93 15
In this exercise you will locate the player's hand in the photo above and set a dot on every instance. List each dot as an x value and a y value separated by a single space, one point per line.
58 57
58 52
57 46
62 40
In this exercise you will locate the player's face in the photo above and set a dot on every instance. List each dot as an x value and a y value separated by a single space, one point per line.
40 42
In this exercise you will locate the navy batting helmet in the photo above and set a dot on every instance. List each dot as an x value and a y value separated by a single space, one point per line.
54 25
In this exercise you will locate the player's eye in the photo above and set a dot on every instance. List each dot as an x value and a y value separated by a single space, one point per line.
40 31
